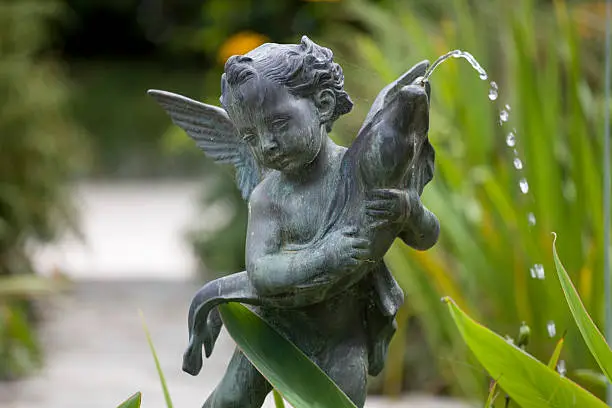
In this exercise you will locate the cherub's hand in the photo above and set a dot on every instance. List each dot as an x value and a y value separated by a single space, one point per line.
388 206
345 249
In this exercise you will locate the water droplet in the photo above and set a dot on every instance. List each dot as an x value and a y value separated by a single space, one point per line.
531 219
483 76
508 107
537 271
503 115
524 185
552 329
511 139
518 164
561 368
493 91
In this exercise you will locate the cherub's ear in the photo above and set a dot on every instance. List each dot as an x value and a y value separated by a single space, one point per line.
325 101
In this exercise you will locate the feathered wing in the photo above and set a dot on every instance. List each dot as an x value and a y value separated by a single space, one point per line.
213 131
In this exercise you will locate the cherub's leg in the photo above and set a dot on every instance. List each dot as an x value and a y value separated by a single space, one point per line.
347 366
242 386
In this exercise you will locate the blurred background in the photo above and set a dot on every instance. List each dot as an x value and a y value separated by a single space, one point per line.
105 208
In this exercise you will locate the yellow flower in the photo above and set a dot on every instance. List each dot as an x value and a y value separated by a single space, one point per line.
240 43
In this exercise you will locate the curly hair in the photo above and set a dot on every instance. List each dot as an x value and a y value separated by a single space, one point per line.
304 69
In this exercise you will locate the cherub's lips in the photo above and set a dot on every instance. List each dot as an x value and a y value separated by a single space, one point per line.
278 159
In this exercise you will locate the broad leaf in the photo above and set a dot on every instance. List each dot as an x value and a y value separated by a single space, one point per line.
590 333
132 402
301 382
529 383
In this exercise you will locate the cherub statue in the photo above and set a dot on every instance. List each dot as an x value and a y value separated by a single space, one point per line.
321 216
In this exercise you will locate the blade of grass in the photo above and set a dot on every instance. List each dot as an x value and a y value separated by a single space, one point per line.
554 359
162 379
591 334
492 395
278 399
132 402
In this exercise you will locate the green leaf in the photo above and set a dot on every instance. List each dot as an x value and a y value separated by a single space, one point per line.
590 333
492 395
591 377
162 379
554 358
132 402
301 382
278 399
529 383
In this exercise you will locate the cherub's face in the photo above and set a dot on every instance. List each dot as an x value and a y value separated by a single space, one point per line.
283 130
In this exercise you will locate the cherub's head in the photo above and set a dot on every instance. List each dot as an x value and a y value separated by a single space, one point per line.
283 98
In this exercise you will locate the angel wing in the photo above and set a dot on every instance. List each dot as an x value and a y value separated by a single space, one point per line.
213 131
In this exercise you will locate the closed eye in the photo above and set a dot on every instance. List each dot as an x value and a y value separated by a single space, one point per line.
280 124
248 136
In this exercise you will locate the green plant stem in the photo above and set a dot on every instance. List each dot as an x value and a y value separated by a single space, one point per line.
606 203
162 379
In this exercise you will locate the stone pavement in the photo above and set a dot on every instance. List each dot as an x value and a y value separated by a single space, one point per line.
97 354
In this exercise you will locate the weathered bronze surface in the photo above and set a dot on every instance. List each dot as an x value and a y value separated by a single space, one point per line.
321 216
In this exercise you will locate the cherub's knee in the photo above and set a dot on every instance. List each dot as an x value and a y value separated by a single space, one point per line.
238 397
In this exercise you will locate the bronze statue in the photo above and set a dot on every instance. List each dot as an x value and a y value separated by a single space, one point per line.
321 216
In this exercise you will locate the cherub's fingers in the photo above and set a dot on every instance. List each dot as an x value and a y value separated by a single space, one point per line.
379 224
352 263
360 254
379 213
381 193
359 243
378 204
349 231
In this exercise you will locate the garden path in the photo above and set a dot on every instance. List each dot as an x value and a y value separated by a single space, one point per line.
97 354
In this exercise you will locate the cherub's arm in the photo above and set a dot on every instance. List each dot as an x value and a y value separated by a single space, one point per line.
274 270
418 227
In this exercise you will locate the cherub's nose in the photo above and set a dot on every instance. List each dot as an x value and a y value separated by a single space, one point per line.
269 144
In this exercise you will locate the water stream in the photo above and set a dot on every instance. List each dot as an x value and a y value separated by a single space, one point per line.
537 270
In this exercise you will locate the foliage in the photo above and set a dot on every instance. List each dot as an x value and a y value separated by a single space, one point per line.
529 382
590 333
126 128
133 402
276 357
162 378
39 150
280 361
545 73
